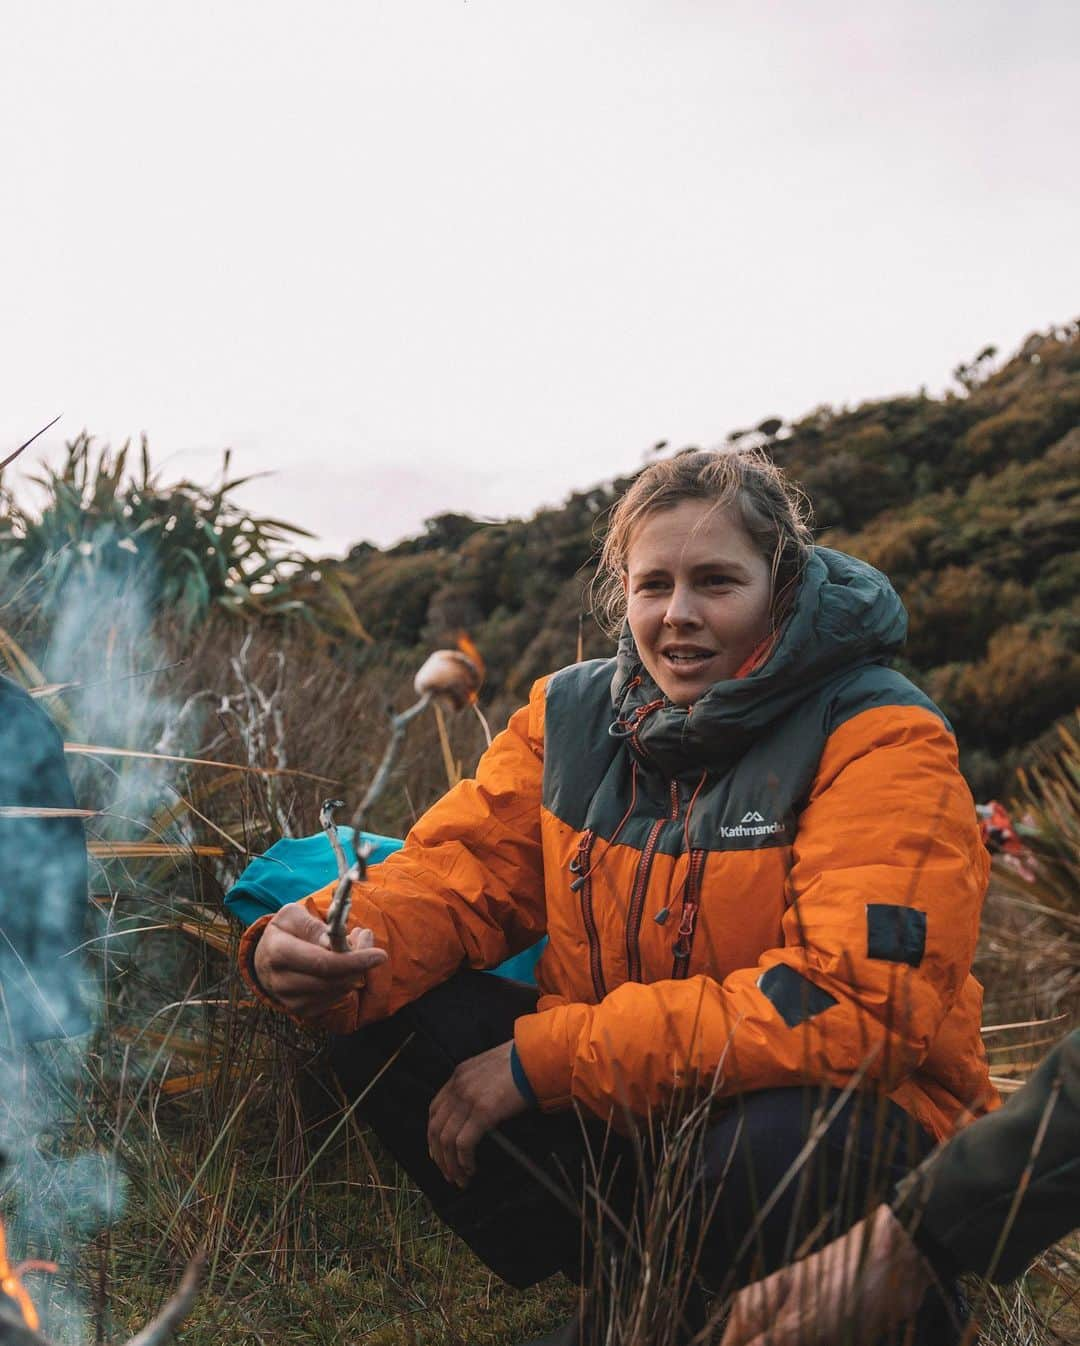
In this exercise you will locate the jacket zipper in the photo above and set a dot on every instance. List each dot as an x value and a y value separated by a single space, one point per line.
582 884
641 884
691 902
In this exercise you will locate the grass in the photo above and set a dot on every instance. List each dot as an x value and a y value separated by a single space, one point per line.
212 1122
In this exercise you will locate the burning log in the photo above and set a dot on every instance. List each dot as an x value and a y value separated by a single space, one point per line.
19 1322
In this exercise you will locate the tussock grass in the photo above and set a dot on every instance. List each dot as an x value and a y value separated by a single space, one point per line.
215 1124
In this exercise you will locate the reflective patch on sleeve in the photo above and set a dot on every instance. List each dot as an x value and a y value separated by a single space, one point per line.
896 934
794 996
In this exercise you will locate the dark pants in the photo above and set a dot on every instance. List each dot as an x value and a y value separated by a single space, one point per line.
539 1174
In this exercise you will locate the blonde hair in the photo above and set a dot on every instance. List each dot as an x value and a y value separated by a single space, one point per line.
773 510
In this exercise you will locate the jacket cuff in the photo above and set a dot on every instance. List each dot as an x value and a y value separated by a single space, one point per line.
543 1048
249 941
525 1089
908 1205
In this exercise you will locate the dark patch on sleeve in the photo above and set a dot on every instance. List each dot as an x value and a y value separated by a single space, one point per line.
794 996
896 934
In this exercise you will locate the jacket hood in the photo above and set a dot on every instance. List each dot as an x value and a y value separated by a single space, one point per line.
846 614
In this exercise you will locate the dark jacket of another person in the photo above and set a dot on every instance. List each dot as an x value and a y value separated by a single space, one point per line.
43 879
961 1203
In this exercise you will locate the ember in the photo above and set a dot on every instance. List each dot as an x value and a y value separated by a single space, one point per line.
13 1289
20 1324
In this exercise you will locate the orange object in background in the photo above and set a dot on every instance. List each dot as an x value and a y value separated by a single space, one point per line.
469 650
1001 838
997 830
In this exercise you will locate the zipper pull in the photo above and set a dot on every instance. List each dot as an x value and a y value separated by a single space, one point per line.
661 916
579 865
686 930
686 926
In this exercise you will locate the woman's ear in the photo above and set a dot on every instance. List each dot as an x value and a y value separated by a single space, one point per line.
625 580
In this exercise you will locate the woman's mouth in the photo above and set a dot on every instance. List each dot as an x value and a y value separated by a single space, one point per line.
686 661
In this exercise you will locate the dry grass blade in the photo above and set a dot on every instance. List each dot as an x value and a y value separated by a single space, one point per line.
18 661
96 750
1027 1023
26 443
19 811
55 688
178 1085
141 850
217 935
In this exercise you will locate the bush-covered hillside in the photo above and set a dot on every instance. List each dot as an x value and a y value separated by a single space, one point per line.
970 502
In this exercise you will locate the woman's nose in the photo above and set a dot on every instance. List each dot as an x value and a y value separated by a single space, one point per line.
681 609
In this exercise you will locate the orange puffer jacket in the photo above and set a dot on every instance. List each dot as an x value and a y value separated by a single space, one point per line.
780 884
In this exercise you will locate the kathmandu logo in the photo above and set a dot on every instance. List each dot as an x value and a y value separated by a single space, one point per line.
753 824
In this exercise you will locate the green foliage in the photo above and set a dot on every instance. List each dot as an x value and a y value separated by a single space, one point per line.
1029 677
184 549
969 502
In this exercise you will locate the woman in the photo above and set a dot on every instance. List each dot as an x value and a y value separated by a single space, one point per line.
758 867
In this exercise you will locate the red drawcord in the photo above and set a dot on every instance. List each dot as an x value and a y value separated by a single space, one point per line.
689 810
622 823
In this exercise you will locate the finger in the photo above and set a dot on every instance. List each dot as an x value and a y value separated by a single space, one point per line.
310 989
344 978
446 1156
360 937
465 1146
286 954
441 1131
436 1117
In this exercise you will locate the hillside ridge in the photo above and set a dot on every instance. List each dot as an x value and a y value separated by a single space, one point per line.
970 502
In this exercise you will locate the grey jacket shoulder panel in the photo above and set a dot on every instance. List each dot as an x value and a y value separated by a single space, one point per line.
873 687
578 751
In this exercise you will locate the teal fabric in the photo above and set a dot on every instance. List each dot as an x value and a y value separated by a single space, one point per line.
295 867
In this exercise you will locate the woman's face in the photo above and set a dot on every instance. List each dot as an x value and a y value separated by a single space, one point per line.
698 596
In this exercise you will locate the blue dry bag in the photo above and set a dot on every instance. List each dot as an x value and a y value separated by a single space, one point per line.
294 867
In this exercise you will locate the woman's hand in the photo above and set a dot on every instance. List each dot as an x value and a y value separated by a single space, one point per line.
479 1095
863 1283
295 964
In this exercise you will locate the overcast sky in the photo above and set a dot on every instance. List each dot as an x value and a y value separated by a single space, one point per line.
427 255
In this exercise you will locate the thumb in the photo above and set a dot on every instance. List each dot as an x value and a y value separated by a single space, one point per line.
297 921
360 937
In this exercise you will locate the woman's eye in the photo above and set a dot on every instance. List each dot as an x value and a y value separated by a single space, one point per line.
719 581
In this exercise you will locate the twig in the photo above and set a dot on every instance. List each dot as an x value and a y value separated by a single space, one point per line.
483 723
16 1331
161 1328
338 915
326 822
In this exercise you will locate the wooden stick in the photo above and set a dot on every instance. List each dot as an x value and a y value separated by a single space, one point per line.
326 820
337 918
452 773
